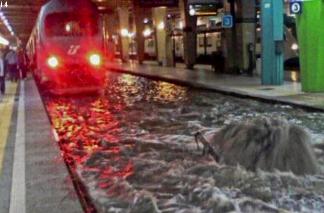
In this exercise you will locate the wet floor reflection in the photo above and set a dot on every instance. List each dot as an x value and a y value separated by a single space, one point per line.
133 148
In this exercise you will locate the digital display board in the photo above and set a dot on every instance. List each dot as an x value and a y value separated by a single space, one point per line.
158 3
204 7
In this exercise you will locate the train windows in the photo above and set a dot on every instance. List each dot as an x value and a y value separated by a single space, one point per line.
69 24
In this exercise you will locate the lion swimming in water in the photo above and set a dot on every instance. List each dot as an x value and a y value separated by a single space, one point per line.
263 143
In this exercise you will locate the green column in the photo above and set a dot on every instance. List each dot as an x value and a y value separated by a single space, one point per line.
311 44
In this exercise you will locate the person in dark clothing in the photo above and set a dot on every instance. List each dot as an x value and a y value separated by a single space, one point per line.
23 63
2 75
12 65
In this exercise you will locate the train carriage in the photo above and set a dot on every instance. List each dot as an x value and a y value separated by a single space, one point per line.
67 47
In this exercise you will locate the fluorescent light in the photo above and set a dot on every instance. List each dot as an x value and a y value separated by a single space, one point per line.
181 25
147 32
131 34
124 32
192 12
294 46
6 23
161 25
4 41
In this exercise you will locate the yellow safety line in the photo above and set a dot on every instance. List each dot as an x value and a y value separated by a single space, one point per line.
6 108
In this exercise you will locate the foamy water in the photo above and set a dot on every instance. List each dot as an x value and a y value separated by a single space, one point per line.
134 151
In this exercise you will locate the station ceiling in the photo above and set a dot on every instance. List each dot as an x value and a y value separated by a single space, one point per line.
22 15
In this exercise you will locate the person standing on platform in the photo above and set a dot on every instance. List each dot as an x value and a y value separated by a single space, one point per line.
12 65
23 63
2 74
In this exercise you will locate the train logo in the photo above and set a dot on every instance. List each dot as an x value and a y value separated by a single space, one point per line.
73 49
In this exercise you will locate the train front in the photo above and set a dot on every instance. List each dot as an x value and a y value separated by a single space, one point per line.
71 55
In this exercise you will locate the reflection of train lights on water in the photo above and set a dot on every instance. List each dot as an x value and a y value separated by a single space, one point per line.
67 47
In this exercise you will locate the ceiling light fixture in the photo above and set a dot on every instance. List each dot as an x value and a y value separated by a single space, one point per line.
3 41
6 23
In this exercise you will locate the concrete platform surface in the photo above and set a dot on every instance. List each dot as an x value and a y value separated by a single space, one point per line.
33 175
289 93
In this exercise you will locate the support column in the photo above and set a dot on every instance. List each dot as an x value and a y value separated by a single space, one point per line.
105 20
245 34
169 44
163 36
272 12
229 39
123 15
109 26
311 42
109 22
139 24
189 35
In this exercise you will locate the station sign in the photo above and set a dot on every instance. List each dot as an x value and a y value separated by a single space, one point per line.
157 3
227 21
295 6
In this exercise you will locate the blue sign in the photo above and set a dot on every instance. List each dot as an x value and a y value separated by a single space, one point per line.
295 7
227 21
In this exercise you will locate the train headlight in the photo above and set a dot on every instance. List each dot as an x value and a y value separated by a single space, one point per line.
52 62
95 59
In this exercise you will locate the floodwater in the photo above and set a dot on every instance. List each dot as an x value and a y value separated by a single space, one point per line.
134 150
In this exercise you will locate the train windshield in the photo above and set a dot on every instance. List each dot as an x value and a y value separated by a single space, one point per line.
69 24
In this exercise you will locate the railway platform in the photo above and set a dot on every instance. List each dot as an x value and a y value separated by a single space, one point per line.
33 175
204 77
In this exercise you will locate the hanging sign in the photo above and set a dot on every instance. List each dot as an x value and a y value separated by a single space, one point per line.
227 21
295 7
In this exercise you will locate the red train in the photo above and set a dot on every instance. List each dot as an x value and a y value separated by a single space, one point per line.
66 47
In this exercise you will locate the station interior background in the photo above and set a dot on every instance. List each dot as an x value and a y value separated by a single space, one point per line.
163 36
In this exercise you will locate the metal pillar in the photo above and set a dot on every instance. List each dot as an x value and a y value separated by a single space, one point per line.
272 42
311 41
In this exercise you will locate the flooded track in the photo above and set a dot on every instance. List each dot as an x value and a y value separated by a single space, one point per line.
133 149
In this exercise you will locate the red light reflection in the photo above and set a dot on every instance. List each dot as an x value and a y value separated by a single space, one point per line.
88 136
